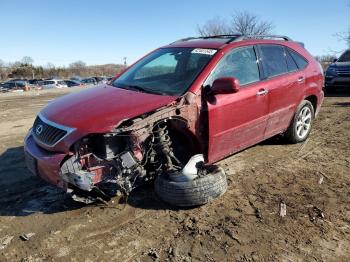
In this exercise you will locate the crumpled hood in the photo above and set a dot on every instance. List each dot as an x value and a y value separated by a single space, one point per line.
99 109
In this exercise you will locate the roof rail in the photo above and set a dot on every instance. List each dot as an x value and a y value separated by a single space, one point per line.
235 37
245 37
231 37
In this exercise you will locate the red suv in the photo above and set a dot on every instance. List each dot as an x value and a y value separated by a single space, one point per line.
173 113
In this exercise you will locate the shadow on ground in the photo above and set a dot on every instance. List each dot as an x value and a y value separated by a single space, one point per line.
339 92
22 193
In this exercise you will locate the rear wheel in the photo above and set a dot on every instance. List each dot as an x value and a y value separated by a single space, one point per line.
300 127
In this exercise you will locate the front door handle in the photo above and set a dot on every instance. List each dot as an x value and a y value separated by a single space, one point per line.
262 92
300 79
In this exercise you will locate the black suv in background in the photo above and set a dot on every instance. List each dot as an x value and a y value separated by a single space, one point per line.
338 73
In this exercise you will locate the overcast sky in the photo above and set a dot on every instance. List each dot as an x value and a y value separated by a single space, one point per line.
99 32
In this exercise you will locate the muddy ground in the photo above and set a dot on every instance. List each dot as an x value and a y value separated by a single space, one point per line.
312 179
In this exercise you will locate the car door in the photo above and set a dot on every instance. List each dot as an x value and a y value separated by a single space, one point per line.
237 120
284 83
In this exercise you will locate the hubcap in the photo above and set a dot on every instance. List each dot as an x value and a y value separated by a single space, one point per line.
303 122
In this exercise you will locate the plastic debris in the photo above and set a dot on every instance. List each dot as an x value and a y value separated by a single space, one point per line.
283 209
26 237
4 241
320 181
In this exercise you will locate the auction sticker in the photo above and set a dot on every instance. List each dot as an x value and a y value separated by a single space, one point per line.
204 51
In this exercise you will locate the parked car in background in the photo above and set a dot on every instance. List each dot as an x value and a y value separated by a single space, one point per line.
71 83
172 114
48 84
34 82
89 81
14 86
100 79
338 73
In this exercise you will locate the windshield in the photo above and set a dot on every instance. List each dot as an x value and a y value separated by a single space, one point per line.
344 57
167 71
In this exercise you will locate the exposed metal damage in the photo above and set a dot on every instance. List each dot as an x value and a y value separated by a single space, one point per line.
137 150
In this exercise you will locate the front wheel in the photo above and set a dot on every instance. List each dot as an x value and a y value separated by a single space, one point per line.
300 127
191 193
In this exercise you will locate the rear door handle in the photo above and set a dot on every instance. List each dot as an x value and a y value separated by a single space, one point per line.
262 92
300 79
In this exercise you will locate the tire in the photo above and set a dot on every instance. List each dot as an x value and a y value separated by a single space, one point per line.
301 125
191 193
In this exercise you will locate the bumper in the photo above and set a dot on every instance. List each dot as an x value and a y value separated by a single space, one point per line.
44 163
337 81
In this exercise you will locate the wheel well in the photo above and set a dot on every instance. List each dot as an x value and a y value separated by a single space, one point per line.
313 101
185 143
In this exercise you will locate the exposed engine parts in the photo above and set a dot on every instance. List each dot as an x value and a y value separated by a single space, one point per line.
162 145
108 163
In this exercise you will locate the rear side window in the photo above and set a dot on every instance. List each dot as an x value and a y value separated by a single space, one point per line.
301 61
273 59
240 63
292 66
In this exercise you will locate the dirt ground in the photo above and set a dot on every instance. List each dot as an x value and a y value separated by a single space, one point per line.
312 179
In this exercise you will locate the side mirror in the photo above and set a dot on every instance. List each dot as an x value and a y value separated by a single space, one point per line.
225 85
335 60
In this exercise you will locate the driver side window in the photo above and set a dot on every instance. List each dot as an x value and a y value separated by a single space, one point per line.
240 63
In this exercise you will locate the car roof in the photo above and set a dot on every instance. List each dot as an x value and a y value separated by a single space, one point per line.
220 41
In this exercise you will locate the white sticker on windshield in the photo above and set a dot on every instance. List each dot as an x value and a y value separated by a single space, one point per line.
204 51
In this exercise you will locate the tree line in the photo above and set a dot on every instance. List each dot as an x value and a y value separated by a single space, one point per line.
25 69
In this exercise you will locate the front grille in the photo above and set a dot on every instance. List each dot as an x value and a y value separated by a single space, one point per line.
47 133
343 71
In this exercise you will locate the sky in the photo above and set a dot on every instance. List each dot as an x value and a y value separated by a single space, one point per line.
106 31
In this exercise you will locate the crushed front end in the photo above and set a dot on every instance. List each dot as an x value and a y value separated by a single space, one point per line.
99 165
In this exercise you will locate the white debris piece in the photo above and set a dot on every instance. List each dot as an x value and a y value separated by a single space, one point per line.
4 241
320 181
283 209
26 237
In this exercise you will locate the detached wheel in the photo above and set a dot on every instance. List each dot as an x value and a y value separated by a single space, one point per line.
191 193
300 127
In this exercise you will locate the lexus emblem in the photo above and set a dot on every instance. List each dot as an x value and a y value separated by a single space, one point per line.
39 129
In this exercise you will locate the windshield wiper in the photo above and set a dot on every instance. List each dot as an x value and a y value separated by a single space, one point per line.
137 88
145 90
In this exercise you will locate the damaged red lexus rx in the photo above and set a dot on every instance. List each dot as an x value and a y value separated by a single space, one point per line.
172 114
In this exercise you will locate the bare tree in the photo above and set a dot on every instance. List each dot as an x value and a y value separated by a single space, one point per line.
250 24
243 23
215 26
344 36
77 67
325 58
3 70
27 60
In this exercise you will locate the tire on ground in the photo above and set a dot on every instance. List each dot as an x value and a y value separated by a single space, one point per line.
191 193
290 133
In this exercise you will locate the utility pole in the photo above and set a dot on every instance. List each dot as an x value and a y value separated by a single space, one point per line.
124 58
